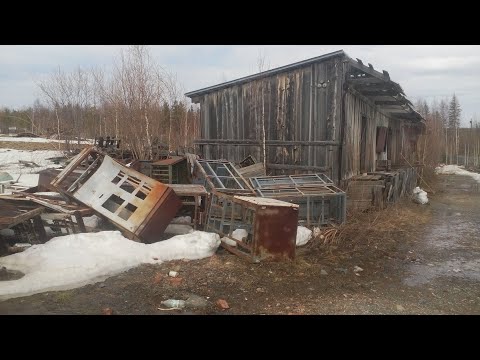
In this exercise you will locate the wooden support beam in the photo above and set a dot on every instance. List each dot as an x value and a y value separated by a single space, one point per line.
374 93
368 70
252 142
390 102
296 167
403 111
394 107
366 81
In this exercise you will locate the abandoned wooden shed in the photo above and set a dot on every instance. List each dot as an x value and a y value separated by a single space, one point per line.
328 114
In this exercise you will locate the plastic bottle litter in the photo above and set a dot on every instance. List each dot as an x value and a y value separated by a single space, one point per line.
174 304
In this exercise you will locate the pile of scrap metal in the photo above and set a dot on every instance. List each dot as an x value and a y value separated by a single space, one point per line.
256 215
265 209
95 183
30 218
138 205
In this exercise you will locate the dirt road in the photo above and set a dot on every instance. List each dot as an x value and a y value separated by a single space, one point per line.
430 268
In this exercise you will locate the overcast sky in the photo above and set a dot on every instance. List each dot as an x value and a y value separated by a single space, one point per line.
428 72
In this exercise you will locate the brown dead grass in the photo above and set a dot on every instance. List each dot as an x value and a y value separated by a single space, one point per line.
364 228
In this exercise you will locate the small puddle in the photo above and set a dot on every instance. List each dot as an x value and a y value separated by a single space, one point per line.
450 244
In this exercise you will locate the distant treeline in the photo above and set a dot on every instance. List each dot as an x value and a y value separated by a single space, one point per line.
137 101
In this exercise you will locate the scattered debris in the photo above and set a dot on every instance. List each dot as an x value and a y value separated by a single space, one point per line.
28 163
107 311
320 201
195 301
158 277
400 308
174 304
222 304
456 270
175 281
173 274
342 270
139 206
303 235
221 176
194 199
357 269
323 272
420 196
271 225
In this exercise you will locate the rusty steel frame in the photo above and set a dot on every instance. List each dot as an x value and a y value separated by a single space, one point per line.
138 205
312 192
196 196
213 180
23 217
271 225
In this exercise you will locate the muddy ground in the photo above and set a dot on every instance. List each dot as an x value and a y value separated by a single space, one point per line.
415 259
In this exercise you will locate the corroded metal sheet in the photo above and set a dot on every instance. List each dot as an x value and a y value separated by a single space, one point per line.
271 226
137 204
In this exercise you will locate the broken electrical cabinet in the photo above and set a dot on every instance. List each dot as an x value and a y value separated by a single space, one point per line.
271 226
139 206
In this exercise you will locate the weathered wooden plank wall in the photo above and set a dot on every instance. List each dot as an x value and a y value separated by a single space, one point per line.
355 109
293 106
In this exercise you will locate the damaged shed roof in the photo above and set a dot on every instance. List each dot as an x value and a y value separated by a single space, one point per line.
363 80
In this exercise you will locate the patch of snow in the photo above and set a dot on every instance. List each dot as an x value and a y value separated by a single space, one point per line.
303 235
228 241
28 180
92 221
238 234
456 170
21 174
49 194
9 161
39 140
72 261
178 229
420 196
182 220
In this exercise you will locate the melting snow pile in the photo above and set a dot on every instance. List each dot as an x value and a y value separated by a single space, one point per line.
303 235
456 170
238 234
420 196
73 261
38 140
26 175
179 226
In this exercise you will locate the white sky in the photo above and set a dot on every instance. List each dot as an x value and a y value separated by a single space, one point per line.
427 71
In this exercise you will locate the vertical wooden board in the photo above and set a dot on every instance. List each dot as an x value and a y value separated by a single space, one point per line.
306 90
241 120
289 125
298 115
258 123
321 113
272 118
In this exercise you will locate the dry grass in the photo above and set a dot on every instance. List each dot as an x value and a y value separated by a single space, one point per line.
365 228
